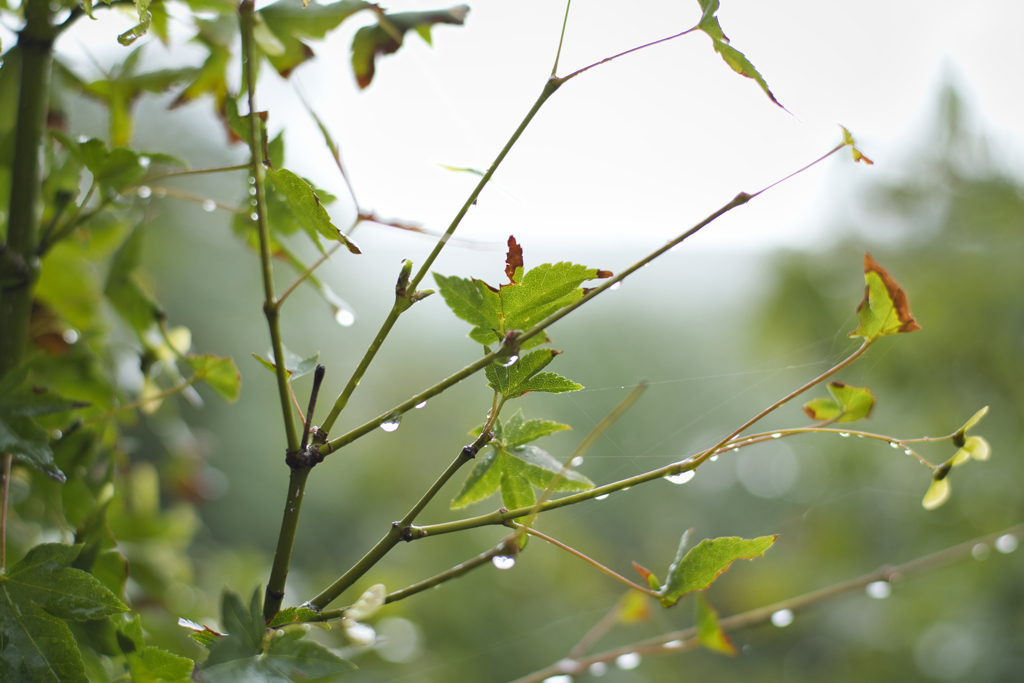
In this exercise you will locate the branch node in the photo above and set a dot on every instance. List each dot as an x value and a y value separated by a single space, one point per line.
406 534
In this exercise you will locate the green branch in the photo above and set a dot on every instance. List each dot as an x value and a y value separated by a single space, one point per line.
589 560
402 303
297 479
400 530
364 429
687 639
19 265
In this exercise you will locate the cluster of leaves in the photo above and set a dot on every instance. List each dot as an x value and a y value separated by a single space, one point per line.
497 314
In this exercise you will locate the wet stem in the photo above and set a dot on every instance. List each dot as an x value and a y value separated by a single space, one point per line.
684 640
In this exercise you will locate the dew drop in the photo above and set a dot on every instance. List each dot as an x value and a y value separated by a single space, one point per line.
503 562
630 660
391 422
681 478
144 161
252 191
144 191
980 551
603 496
598 669
860 436
894 444
909 452
252 216
210 205
56 434
510 361
83 138
776 435
421 404
677 247
1006 543
560 678
252 181
844 434
70 336
616 285
879 590
577 461
715 457
345 318
783 618
673 644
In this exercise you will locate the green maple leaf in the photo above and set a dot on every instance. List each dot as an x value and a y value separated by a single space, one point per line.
847 404
733 57
515 468
528 298
148 664
37 595
885 309
697 568
248 653
20 435
525 376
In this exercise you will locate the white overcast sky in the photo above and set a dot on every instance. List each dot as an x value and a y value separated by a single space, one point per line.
643 147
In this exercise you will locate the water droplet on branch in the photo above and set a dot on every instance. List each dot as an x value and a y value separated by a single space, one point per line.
210 205
509 362
603 496
783 618
391 422
879 590
680 478
503 562
630 660
421 404
577 461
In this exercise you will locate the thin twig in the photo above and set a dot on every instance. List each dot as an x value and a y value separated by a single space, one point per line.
576 73
561 38
600 567
141 402
318 378
687 639
400 530
191 171
306 273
